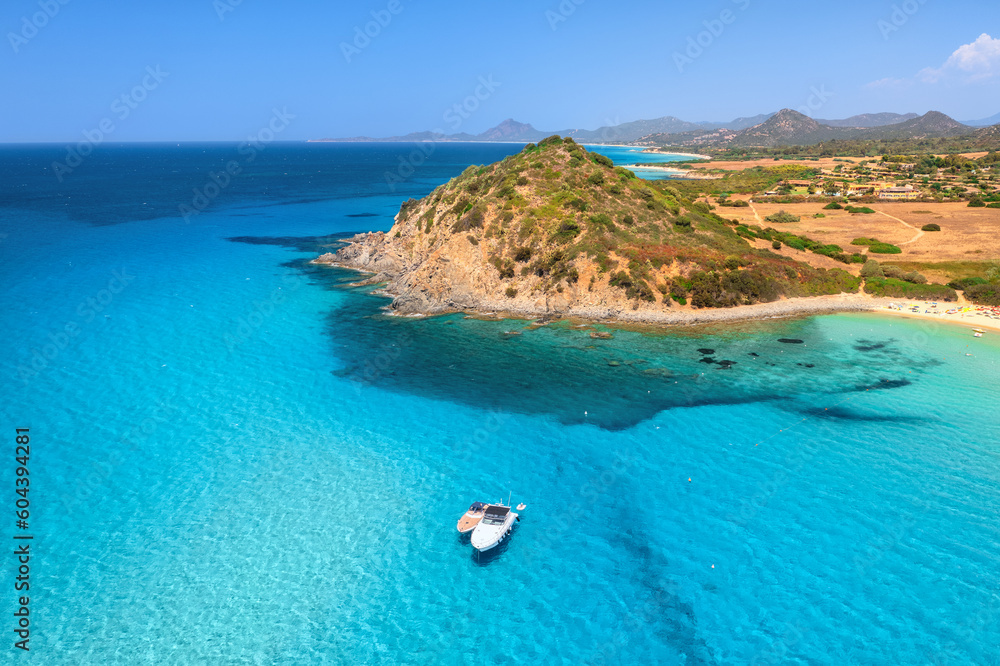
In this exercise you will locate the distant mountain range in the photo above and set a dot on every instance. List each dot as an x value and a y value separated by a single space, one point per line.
984 122
790 128
786 127
870 120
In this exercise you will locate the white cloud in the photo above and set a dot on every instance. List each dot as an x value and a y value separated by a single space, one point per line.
888 83
973 62
977 61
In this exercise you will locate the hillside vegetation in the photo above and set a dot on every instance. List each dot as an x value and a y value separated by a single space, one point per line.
558 228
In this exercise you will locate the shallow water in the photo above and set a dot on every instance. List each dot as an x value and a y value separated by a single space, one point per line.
239 458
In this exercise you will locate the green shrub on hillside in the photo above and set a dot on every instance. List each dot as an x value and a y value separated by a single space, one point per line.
782 217
634 287
603 160
567 231
891 271
884 248
833 205
964 284
984 294
474 218
863 241
872 269
603 220
931 227
893 288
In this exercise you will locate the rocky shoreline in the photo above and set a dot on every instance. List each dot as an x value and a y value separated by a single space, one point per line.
365 253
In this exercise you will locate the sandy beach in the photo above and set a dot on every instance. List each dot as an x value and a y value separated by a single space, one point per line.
695 156
680 173
969 316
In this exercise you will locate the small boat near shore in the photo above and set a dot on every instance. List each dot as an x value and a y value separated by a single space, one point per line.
471 518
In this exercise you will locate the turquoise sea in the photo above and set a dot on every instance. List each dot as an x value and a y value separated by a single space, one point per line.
237 458
629 155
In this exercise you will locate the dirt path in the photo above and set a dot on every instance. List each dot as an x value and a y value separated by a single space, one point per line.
756 214
905 224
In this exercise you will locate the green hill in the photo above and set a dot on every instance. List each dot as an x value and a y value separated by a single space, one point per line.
556 228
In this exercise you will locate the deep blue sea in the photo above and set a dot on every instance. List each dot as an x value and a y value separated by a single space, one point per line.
237 458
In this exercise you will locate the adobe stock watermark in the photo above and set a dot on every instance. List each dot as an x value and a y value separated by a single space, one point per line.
562 12
37 21
121 108
223 7
714 28
220 180
900 16
455 116
817 99
363 36
62 338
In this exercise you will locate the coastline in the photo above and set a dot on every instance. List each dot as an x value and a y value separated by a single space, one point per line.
647 150
968 319
685 174
675 316
691 155
966 316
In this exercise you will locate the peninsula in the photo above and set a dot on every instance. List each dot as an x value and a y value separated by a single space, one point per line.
557 230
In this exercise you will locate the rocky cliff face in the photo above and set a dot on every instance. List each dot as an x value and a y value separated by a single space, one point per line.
558 230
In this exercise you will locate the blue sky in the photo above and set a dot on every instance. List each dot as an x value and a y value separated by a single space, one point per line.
217 69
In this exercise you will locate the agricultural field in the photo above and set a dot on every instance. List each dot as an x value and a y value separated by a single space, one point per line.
969 238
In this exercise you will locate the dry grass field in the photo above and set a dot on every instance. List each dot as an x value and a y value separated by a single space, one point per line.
968 240
738 165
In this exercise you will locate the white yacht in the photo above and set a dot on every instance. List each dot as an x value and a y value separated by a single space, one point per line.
496 524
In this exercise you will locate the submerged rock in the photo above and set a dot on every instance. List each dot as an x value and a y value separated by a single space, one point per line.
601 335
706 352
791 341
868 346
